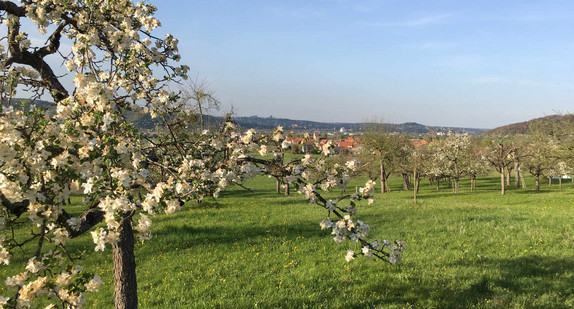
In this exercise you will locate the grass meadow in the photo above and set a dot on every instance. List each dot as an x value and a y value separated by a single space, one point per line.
263 250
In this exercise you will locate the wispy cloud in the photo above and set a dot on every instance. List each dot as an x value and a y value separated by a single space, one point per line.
418 22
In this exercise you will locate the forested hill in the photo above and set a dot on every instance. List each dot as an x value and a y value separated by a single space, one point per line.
526 127
144 121
305 125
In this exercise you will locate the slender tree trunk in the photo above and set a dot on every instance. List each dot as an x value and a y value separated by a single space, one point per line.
387 182
560 182
550 181
472 183
502 188
537 182
383 180
507 176
522 182
125 282
278 187
438 183
456 183
416 185
516 175
287 189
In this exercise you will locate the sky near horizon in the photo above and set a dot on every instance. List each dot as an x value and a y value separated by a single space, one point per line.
479 64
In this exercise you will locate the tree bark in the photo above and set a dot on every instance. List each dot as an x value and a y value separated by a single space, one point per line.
516 175
522 181
287 189
560 182
502 183
456 183
416 185
383 180
406 182
549 181
507 176
125 282
437 183
537 182
278 187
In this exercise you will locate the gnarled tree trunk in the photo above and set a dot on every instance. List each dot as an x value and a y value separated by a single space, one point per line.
406 182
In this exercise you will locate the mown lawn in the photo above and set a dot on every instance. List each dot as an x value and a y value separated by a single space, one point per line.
262 250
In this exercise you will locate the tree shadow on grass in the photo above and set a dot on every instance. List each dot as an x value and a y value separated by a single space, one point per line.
526 278
188 236
516 282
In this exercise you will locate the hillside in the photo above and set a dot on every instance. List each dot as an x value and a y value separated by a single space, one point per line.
269 123
526 127
144 121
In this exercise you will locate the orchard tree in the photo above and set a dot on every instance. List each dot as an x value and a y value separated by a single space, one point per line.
383 145
438 165
477 165
419 161
541 157
402 165
498 154
455 149
82 144
198 98
517 155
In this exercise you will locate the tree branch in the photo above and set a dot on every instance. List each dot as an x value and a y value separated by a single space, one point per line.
12 8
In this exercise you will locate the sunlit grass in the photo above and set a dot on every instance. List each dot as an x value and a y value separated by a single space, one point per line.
263 250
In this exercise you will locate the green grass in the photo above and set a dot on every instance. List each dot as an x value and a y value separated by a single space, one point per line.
474 250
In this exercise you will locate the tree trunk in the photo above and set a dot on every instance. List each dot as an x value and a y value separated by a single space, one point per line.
516 175
416 185
472 183
383 180
537 182
278 188
502 188
507 176
522 181
456 182
560 182
125 283
437 183
287 189
406 182
549 181
387 182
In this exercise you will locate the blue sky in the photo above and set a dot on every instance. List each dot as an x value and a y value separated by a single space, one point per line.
454 63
